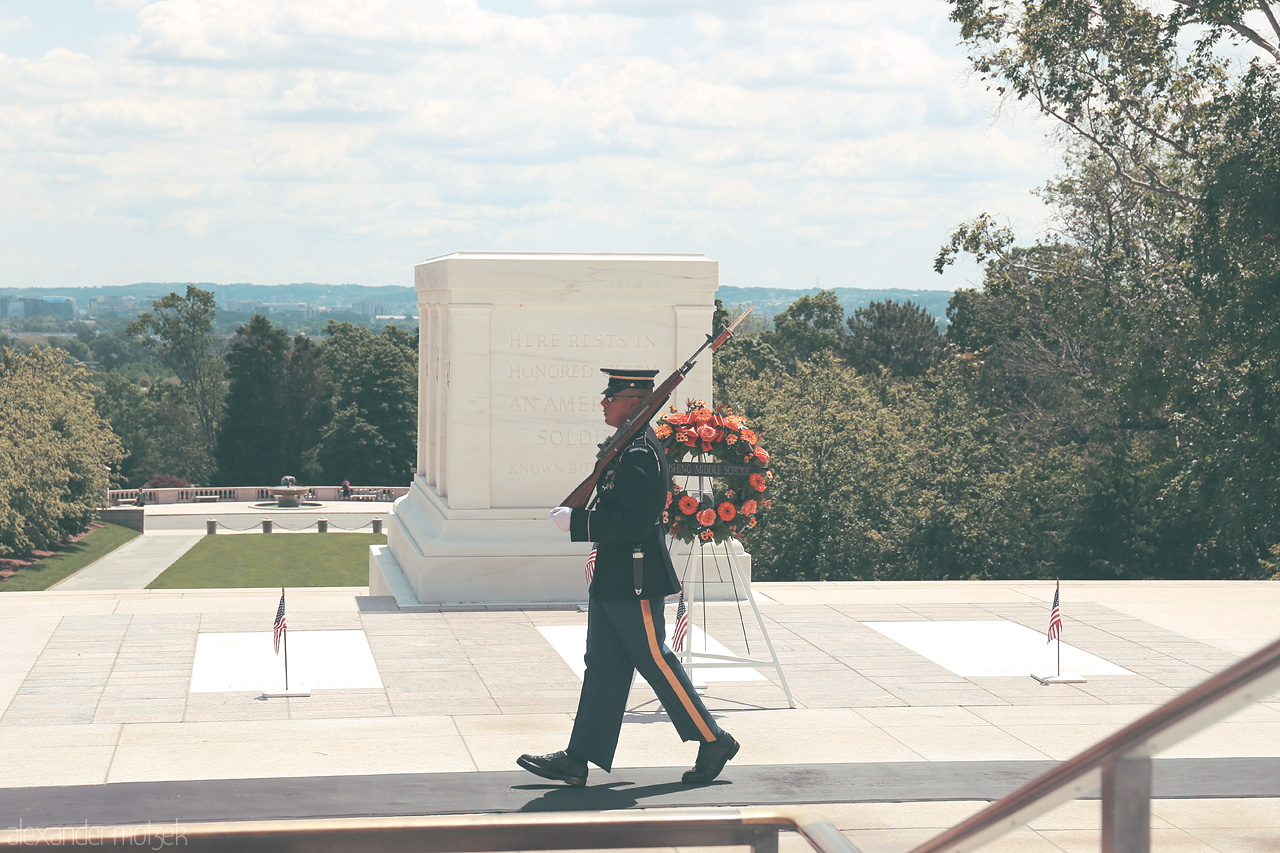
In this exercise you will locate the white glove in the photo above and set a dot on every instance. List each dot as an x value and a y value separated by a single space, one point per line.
561 515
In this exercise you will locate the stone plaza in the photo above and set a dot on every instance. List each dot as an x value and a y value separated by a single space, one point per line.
101 719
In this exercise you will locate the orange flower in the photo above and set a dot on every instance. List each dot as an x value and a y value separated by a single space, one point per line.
662 430
734 421
701 417
687 436
762 455
749 435
730 438
726 511
758 482
707 517
749 508
706 535
688 504
665 520
677 418
752 524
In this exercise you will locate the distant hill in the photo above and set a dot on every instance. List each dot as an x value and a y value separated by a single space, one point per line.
771 301
316 294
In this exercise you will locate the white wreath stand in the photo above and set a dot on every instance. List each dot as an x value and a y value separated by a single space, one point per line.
705 660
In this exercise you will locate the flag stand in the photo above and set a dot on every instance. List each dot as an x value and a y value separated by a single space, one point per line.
1060 677
1055 636
281 632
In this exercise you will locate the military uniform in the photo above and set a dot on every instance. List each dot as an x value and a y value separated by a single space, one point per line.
625 620
626 631
630 499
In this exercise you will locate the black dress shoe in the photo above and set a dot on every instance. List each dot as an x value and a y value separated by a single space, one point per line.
560 766
712 757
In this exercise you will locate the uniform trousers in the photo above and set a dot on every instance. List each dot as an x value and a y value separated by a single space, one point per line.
624 637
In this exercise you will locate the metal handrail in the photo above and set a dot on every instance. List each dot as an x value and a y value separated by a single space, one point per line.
753 827
1121 764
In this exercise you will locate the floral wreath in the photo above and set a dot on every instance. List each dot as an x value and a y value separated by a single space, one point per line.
735 504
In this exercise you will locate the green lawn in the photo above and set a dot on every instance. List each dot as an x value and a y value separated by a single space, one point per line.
69 559
273 559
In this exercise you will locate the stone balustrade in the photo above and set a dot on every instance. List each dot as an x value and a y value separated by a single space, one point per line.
247 494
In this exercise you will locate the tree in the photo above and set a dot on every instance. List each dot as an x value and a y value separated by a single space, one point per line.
156 428
830 446
125 407
115 351
749 345
897 481
810 325
307 397
1143 88
273 407
372 435
76 348
251 437
55 451
898 337
179 330
1227 403
1143 334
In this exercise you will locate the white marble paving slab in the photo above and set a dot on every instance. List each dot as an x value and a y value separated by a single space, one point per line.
997 648
570 642
318 660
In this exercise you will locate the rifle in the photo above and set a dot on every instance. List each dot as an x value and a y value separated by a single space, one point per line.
613 445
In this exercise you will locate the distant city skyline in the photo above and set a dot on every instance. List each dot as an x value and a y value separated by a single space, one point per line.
800 144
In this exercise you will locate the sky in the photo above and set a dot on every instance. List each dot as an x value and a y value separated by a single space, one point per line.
798 143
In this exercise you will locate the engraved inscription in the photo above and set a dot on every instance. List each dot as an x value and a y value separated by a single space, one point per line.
568 438
533 339
545 401
580 468
580 340
549 371
578 403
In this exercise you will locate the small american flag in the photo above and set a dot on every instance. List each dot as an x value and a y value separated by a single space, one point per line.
681 632
279 626
1055 618
591 566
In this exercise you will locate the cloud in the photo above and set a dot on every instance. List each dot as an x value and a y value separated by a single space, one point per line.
337 131
120 5
14 25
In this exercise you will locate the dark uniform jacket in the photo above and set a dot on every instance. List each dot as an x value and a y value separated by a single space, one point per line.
630 499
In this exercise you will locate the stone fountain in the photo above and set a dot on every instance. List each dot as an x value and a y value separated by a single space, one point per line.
288 493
